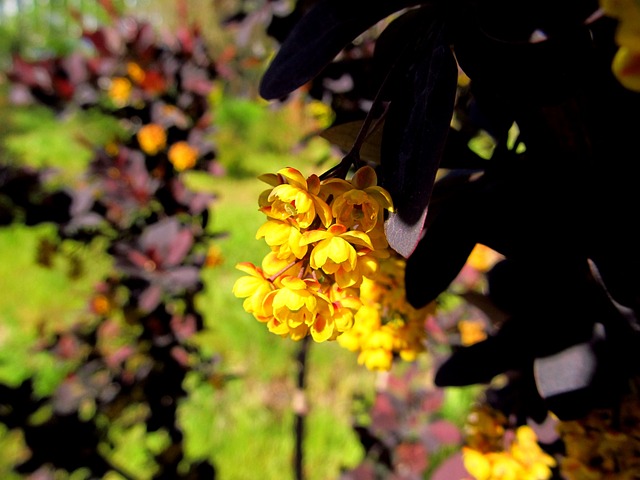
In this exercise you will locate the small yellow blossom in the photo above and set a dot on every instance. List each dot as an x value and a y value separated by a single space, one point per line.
119 91
296 199
152 138
135 72
254 288
471 331
626 62
335 248
182 155
523 459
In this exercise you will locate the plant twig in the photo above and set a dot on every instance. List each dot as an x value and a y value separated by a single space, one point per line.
300 409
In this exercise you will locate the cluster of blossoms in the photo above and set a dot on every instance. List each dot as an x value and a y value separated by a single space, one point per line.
330 270
386 324
604 445
488 455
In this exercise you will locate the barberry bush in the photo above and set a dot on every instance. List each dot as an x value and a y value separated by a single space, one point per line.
488 125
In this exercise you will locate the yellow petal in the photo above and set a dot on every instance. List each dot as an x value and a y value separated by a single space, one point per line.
294 177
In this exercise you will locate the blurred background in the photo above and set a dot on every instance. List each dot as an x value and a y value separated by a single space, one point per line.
131 140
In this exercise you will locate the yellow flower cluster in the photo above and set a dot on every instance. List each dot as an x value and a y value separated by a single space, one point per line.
604 445
626 63
386 324
486 457
326 237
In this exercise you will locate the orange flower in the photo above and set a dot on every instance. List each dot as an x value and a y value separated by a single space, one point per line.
152 138
135 72
183 156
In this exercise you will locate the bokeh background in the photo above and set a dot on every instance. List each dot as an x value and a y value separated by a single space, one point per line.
123 352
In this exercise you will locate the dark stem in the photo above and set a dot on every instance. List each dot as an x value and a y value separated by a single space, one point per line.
300 408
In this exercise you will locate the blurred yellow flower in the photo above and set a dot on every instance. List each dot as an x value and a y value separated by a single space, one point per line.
626 62
152 138
119 91
471 331
182 155
135 72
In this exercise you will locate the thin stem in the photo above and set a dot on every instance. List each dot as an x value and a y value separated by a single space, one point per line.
300 409
273 277
353 157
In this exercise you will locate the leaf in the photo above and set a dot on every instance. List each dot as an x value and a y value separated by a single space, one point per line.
344 135
453 467
447 243
318 37
414 136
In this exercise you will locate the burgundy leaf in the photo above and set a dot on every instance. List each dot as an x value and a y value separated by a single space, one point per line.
150 298
411 458
180 245
444 432
318 37
414 136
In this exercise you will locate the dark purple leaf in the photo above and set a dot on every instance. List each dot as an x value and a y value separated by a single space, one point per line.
442 252
414 136
181 277
318 37
160 235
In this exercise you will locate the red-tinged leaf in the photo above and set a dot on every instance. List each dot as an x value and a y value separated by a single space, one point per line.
383 414
150 298
411 458
318 37
451 468
180 245
444 432
184 326
414 136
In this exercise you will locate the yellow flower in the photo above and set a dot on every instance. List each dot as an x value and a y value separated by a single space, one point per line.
254 288
182 155
345 303
476 463
335 248
471 331
214 256
295 198
626 68
152 138
135 72
283 238
377 359
525 450
358 208
119 91
295 303
482 258
626 62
